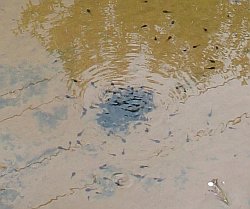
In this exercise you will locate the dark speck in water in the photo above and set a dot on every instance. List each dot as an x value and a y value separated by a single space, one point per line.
155 38
144 26
88 10
172 22
144 166
205 29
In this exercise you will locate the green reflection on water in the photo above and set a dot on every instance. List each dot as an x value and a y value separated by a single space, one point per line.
201 38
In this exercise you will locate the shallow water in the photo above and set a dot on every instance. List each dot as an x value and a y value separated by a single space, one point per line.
124 104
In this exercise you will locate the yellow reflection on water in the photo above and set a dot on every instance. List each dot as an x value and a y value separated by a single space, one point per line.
115 38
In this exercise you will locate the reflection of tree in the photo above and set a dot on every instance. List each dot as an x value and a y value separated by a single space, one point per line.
111 32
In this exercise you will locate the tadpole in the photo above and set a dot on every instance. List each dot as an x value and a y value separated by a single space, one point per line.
166 11
210 68
104 166
138 176
159 179
195 46
80 134
78 142
156 141
73 174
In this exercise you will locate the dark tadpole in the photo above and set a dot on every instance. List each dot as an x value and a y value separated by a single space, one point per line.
84 111
144 26
156 141
88 10
166 11
195 46
205 29
155 38
172 22
169 37
104 166
73 174
139 176
123 140
79 142
210 68
213 61
144 166
89 189
62 148
69 97
159 179
210 113
92 83
80 133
